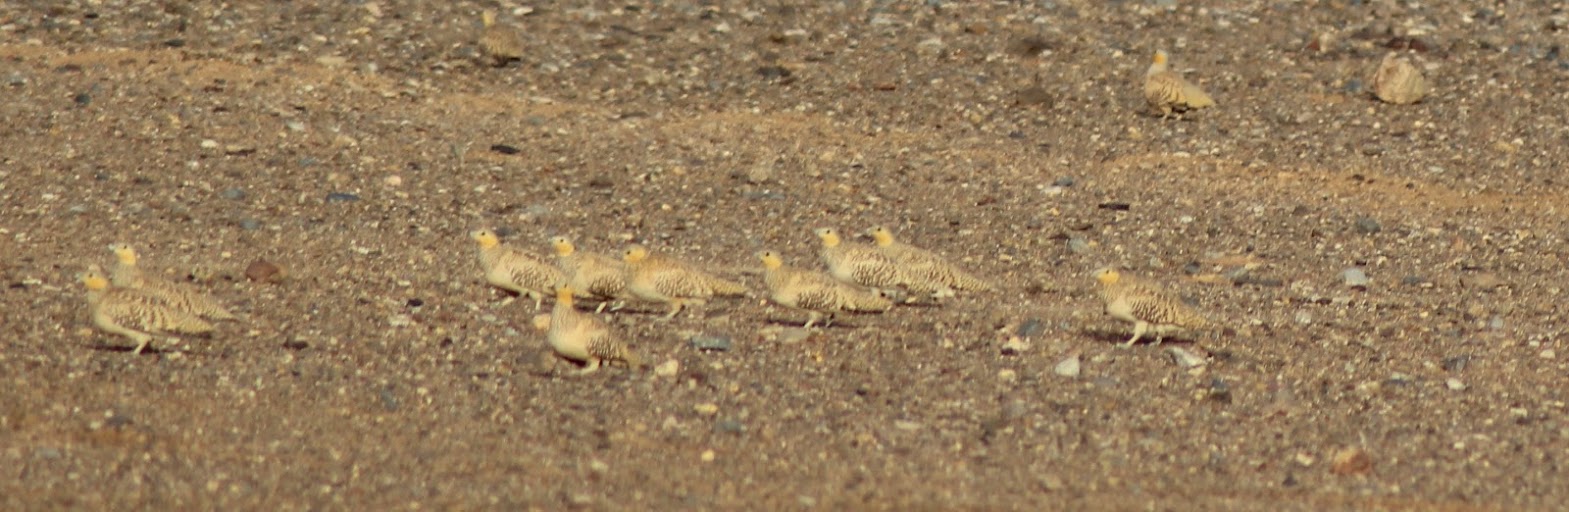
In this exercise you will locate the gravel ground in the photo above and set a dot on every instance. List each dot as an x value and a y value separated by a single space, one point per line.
354 145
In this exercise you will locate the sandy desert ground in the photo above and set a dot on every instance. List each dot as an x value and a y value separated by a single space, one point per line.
354 144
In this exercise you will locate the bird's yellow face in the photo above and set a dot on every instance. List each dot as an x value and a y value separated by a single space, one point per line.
830 236
770 259
485 238
1160 58
93 279
881 235
1108 276
123 253
635 254
562 245
564 295
488 18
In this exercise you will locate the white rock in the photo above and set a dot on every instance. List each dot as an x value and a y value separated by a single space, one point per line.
1068 367
668 368
1184 358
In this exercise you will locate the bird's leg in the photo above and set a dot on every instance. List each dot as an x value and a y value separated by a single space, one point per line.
830 320
141 343
676 306
601 308
591 367
1138 330
812 320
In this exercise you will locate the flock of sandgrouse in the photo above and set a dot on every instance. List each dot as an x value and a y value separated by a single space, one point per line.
860 278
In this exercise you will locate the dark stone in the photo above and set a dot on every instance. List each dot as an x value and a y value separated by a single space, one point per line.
342 197
773 72
505 149
1031 327
1368 226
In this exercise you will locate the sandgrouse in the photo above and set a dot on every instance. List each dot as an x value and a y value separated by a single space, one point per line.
510 269
591 276
178 296
1168 92
816 293
581 337
662 279
501 42
925 267
135 314
1145 304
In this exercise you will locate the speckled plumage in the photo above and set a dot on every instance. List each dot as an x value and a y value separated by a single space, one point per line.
591 276
662 279
501 42
816 293
178 296
925 269
1398 81
1145 304
135 314
581 337
1168 92
510 269
859 264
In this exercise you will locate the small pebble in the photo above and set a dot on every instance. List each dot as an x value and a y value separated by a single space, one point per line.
707 456
1454 384
1355 278
234 193
1014 346
263 271
341 197
1368 226
706 408
1351 461
714 343
1219 391
730 427
1078 245
1068 367
1030 328
669 368
1184 358
1007 375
